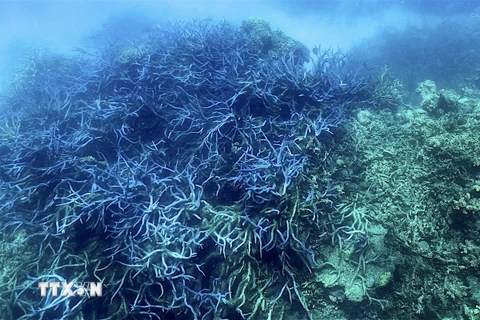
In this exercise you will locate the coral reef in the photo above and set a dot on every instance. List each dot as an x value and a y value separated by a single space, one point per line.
207 173
188 174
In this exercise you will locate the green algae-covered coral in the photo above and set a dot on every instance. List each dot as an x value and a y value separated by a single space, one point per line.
419 171
272 44
436 102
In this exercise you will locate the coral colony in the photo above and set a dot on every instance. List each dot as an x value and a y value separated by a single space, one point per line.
176 173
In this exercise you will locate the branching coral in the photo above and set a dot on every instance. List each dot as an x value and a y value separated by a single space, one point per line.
160 161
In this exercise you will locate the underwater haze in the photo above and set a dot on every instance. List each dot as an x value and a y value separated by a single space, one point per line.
63 25
239 160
